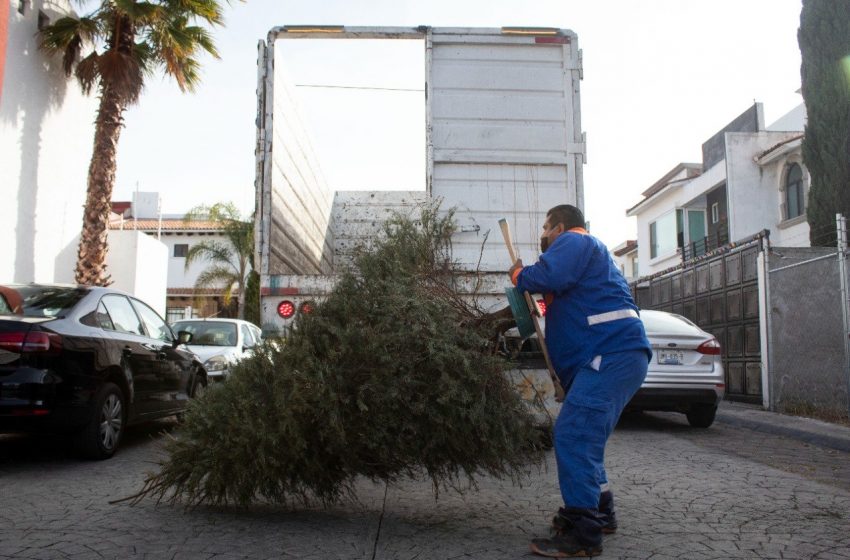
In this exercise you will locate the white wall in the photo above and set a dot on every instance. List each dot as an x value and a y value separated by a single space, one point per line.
178 276
755 195
45 148
138 264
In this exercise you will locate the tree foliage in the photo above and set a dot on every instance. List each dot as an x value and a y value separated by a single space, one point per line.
824 38
229 261
385 379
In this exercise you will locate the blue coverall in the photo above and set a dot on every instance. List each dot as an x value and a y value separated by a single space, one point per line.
598 349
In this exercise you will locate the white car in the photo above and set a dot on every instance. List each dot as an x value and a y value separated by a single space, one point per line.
220 343
686 370
685 374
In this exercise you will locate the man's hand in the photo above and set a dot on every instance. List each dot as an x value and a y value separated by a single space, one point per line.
517 265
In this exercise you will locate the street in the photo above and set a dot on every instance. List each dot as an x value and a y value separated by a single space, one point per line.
725 492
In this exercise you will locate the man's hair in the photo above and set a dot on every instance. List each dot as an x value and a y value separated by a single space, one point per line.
566 214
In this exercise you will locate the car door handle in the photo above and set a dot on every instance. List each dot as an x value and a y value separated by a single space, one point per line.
127 351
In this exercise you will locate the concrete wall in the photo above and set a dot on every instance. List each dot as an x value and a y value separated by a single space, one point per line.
806 343
714 149
138 265
42 173
178 275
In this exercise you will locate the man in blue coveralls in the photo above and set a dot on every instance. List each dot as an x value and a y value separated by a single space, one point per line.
600 353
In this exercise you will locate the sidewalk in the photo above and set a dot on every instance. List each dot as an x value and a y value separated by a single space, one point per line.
815 432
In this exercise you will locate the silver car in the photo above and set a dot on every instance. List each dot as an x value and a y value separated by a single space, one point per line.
686 370
220 343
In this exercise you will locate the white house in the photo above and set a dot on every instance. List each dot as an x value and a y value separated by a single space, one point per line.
625 256
46 136
751 178
182 299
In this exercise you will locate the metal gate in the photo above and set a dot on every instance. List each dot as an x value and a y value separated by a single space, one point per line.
720 293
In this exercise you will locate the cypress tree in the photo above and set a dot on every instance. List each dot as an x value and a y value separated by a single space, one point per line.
824 38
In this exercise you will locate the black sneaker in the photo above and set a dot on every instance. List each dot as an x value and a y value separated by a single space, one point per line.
562 524
607 515
564 546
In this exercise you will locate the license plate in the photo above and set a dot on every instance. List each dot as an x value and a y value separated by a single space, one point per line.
670 357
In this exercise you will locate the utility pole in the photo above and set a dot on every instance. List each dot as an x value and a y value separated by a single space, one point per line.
841 226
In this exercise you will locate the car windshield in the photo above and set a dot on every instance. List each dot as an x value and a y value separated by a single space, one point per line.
209 333
33 300
659 322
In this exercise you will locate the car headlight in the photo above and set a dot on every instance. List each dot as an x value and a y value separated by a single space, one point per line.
216 363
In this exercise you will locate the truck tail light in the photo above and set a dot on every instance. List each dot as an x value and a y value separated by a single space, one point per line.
542 305
306 307
710 347
286 309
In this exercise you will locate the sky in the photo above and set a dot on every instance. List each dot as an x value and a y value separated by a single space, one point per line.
660 78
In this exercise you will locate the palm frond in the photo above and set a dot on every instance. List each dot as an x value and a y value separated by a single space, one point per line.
208 10
123 73
88 72
68 36
216 276
213 251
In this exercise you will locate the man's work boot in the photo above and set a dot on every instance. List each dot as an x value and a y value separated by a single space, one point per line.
606 512
561 522
581 536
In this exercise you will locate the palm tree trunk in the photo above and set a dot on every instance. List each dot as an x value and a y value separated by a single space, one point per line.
240 313
91 256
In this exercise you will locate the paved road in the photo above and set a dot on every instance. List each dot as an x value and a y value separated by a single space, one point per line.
725 492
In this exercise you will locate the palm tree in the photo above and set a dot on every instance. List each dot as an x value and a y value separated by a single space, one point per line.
230 261
129 41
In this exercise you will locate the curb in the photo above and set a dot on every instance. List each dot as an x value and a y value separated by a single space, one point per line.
839 443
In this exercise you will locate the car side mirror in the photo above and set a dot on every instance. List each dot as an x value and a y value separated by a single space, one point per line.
183 337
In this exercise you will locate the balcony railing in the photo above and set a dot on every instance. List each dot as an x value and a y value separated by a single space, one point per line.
718 238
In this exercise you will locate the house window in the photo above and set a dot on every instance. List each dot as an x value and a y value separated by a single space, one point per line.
664 234
715 212
175 314
795 201
180 249
635 268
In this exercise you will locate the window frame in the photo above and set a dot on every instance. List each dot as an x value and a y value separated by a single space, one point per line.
184 251
139 306
799 188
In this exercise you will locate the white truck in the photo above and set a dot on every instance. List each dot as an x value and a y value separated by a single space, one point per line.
503 140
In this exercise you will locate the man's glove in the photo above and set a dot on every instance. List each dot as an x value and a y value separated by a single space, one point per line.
513 270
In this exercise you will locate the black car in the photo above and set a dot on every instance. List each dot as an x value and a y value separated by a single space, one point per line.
88 361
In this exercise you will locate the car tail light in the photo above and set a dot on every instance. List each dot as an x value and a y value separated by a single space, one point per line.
31 342
286 309
710 347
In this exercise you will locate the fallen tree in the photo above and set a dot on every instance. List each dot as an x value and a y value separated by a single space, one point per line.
393 375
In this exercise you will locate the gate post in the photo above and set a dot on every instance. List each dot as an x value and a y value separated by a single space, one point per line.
764 323
841 226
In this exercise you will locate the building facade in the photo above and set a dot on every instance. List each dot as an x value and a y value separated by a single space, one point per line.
43 174
183 300
752 178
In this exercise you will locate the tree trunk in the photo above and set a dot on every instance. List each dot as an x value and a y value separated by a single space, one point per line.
91 256
240 313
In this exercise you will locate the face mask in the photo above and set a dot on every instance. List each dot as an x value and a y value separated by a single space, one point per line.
544 244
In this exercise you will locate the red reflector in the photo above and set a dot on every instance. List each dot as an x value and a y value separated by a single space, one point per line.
552 40
542 305
286 309
710 347
306 307
30 412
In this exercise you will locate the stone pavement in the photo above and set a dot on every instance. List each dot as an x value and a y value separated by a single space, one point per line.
731 491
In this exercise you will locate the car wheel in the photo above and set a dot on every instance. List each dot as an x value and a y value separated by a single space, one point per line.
701 415
102 435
